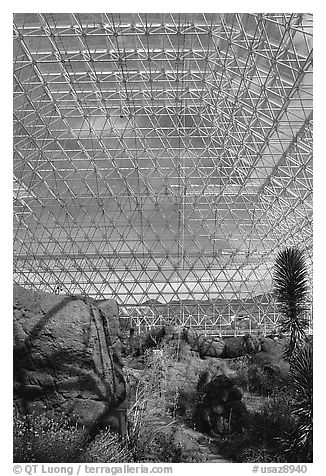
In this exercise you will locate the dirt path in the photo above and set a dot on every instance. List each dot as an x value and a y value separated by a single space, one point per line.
206 446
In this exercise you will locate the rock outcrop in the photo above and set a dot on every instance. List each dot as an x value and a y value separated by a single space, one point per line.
242 345
205 346
67 356
271 359
221 409
231 347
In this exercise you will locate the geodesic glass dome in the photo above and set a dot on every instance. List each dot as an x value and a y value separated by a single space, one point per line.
162 159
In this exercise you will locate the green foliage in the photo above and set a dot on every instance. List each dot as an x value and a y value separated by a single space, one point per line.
106 447
299 442
291 289
277 432
298 445
256 377
280 431
176 347
159 446
258 454
139 416
261 440
291 286
185 404
150 432
203 379
189 402
302 374
137 344
201 407
43 439
165 449
274 418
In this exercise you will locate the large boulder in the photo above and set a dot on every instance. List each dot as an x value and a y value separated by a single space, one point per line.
218 388
210 347
205 346
273 346
241 345
67 356
231 347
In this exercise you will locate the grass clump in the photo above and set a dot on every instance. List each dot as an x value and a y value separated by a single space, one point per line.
152 427
273 434
106 447
259 377
261 439
299 442
44 439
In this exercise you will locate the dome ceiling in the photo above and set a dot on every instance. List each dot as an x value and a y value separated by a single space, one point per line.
162 156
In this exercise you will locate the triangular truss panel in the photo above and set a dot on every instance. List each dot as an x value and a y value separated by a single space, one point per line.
161 157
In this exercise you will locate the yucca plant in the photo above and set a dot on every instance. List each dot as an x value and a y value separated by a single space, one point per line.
291 289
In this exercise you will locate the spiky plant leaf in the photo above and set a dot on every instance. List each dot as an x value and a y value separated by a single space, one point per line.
299 443
302 375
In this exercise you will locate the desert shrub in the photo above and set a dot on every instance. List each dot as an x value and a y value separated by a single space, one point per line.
250 375
147 404
260 380
183 385
299 442
189 401
150 423
243 448
154 338
281 430
240 368
302 375
184 405
106 447
41 438
211 411
136 345
150 438
176 347
257 377
263 438
274 419
156 443
138 417
185 388
44 439
292 292
198 401
258 455
164 449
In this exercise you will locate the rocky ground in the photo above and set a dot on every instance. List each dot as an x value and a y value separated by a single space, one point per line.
177 379
183 392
